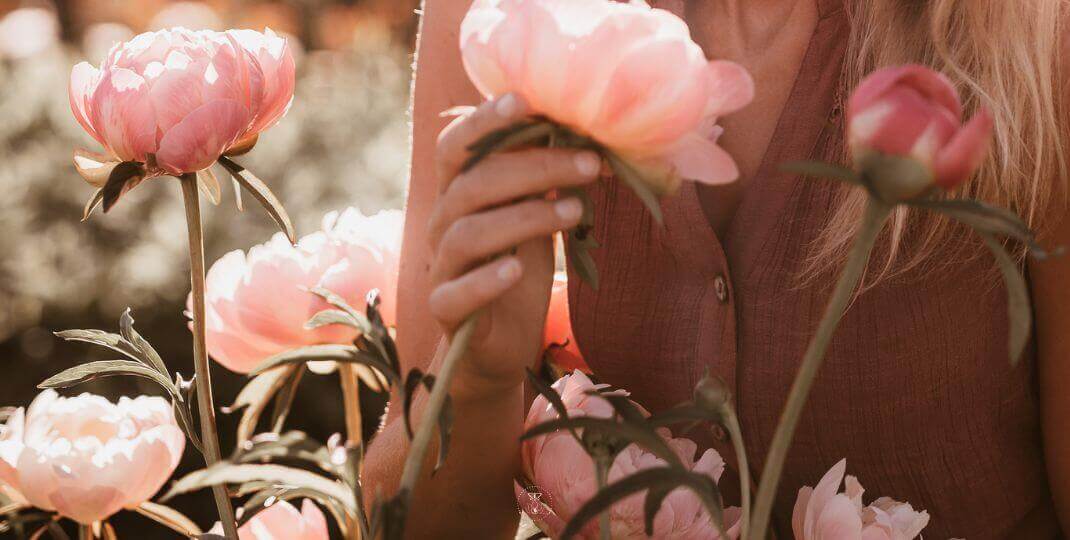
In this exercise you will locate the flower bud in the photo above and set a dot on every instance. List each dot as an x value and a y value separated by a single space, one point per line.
906 132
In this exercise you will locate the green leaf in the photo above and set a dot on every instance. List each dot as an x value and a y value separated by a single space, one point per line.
642 435
145 352
319 353
169 517
262 194
985 219
1018 306
547 391
292 445
520 134
654 498
114 342
820 169
254 398
284 399
227 473
185 422
634 180
340 303
109 368
330 317
658 478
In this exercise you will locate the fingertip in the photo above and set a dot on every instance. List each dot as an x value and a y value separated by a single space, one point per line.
509 269
510 105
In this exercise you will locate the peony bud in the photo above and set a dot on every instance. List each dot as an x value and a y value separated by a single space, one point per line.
85 457
906 132
558 339
283 522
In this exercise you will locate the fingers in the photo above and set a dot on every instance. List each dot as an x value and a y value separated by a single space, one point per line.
453 142
454 300
477 237
502 178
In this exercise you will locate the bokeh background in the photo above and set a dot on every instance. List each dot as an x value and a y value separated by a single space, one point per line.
343 143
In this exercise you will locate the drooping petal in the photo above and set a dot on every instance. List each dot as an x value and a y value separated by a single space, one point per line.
731 89
699 159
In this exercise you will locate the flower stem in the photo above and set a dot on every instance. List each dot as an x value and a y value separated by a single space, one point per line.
731 423
354 428
85 532
422 438
601 475
872 222
205 404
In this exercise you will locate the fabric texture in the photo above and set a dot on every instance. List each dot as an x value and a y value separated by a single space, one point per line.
916 391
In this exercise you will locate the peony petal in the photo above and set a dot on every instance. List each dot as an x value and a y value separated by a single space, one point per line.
84 79
838 520
315 523
822 495
965 152
798 515
123 115
700 159
197 141
731 88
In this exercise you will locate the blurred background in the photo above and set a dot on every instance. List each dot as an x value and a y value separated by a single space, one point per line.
343 143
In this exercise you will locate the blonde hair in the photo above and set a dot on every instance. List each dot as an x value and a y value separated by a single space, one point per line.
1002 54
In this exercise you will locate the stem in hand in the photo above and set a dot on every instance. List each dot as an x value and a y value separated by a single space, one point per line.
873 221
205 404
354 426
414 462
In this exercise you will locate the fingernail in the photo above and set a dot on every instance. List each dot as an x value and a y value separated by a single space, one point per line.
509 270
506 106
569 210
588 163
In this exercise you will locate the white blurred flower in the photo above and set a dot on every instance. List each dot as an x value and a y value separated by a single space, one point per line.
27 32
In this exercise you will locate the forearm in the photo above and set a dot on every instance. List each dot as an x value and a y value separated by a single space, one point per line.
471 496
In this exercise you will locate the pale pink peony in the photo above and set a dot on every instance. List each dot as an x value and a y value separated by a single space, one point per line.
283 522
624 74
177 100
258 303
913 111
564 476
822 513
86 457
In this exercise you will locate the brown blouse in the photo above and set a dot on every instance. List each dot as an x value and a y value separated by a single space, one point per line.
916 392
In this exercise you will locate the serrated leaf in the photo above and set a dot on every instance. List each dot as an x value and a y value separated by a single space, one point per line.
146 353
262 194
634 180
168 517
660 478
108 368
820 169
227 473
1020 314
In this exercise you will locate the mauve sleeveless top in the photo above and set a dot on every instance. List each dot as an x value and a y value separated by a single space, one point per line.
916 391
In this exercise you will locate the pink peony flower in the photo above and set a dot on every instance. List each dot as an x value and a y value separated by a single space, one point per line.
86 457
821 512
624 74
913 111
558 340
283 522
564 476
177 100
258 303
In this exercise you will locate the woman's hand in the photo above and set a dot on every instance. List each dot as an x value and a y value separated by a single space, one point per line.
481 215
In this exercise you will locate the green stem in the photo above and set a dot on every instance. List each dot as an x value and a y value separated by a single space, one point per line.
873 221
731 423
414 462
601 475
205 404
354 429
85 532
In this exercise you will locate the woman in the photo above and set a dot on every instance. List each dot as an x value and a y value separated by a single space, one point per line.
916 392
